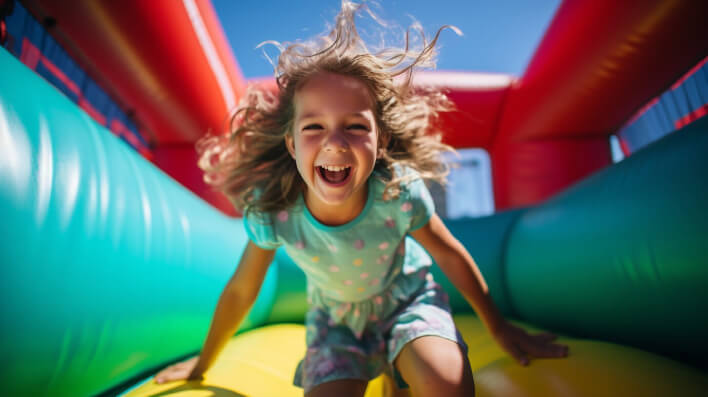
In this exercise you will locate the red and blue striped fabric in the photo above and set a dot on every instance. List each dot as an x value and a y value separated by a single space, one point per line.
30 41
683 103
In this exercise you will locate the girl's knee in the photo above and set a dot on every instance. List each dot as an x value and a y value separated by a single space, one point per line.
446 380
434 366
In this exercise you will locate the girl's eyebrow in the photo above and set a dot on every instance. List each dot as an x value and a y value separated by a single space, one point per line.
313 115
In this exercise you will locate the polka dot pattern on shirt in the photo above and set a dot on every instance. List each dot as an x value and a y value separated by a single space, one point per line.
283 216
352 262
390 222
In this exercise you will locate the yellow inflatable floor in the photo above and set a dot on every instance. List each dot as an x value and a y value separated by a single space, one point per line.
261 363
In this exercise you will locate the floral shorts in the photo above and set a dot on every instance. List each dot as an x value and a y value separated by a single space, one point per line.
335 352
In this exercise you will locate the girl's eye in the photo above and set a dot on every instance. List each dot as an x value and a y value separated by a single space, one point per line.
312 127
358 127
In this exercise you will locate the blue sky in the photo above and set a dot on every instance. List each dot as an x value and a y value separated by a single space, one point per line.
499 36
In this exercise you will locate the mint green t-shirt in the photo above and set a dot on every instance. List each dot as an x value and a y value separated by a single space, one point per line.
360 259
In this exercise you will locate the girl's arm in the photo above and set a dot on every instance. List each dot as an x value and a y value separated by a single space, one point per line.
460 268
237 297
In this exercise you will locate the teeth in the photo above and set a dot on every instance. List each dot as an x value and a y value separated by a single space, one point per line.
333 168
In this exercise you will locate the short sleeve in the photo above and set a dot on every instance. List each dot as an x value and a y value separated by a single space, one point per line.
259 229
422 206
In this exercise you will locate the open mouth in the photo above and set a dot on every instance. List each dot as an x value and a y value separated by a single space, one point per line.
334 174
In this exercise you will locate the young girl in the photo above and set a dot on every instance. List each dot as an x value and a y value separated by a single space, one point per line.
332 169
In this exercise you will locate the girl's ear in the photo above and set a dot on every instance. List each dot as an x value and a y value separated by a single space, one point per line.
290 145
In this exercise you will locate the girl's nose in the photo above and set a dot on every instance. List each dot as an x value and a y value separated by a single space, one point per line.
336 142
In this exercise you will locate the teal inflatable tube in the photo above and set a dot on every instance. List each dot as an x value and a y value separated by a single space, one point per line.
622 255
109 267
486 240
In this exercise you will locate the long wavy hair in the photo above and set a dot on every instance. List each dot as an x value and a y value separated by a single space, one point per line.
251 164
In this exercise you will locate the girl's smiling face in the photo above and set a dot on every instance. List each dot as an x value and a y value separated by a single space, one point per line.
334 144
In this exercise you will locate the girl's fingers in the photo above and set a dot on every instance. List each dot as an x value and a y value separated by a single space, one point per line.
532 348
165 378
546 350
518 354
560 350
171 374
162 378
521 345
545 337
179 371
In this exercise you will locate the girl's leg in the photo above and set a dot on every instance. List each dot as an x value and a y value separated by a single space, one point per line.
340 387
435 366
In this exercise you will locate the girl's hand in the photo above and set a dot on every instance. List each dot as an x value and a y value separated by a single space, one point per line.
179 371
522 345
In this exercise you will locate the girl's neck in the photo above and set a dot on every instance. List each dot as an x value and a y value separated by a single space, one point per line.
338 214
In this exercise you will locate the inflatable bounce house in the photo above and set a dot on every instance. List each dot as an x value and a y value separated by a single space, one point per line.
114 252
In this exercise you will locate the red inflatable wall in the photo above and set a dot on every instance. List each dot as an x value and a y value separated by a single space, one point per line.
599 61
